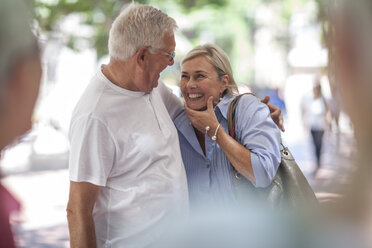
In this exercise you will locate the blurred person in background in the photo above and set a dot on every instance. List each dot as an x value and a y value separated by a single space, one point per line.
20 74
209 153
316 117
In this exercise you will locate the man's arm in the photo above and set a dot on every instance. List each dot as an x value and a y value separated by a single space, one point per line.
79 214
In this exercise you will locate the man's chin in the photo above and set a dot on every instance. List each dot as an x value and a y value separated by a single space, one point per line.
152 87
155 85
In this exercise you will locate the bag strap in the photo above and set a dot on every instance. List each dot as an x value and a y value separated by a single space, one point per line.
231 117
231 125
231 114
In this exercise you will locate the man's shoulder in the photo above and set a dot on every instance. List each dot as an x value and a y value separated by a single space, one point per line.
99 98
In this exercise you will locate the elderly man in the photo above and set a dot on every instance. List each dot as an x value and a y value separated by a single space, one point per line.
20 73
127 177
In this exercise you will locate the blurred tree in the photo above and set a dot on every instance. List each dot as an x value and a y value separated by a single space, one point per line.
229 24
326 18
96 14
325 8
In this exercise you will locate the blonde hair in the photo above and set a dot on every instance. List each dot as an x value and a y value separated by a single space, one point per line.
138 25
220 61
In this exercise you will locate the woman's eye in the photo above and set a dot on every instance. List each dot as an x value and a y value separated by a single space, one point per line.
199 76
184 77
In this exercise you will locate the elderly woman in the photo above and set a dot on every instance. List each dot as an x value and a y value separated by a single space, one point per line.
209 153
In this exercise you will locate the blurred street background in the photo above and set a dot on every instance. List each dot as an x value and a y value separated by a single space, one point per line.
276 47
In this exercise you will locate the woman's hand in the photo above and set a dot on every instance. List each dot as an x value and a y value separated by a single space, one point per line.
238 155
202 119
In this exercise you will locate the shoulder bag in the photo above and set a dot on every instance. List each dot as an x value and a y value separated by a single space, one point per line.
289 189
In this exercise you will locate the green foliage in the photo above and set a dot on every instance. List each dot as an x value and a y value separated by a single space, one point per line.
230 24
191 5
96 14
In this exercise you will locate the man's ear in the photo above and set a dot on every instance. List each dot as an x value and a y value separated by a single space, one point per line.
142 54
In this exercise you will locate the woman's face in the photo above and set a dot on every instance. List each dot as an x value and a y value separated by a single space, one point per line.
199 81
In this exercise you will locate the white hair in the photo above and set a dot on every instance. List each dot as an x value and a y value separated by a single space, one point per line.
16 39
138 25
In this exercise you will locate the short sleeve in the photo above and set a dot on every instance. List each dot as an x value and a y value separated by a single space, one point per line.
258 133
92 151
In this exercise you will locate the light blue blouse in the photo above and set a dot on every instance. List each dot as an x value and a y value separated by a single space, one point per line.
209 176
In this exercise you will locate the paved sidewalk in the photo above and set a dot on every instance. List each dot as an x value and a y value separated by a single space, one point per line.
43 195
337 163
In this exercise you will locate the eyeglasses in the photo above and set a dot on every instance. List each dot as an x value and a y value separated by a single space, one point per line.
171 55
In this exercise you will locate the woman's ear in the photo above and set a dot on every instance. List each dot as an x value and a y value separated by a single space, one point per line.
224 83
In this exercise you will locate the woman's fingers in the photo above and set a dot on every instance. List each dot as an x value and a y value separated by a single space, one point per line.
201 119
210 103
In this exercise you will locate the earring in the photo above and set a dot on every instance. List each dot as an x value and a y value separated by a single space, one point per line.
220 96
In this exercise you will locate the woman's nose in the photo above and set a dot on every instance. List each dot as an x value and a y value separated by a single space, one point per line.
191 84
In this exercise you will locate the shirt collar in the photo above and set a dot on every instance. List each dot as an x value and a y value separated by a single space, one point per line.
181 120
223 105
184 126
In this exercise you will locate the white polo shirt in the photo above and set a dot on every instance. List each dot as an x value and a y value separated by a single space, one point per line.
126 142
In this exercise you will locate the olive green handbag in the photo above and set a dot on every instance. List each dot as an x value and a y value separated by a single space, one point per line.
289 189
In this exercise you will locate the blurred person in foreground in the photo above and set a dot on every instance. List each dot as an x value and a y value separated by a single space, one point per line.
20 74
352 58
209 153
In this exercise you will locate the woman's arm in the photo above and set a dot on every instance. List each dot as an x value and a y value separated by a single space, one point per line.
256 146
238 155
